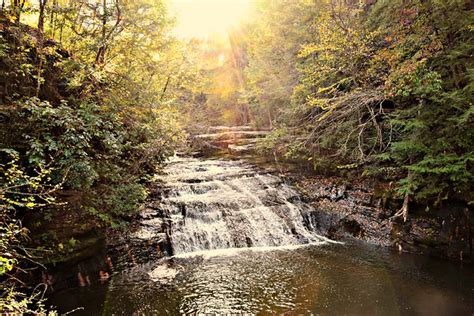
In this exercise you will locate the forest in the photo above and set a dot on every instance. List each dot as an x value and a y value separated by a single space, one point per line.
97 95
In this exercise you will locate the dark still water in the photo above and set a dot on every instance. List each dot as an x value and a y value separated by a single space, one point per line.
324 279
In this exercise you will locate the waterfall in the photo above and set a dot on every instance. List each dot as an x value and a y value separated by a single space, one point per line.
219 204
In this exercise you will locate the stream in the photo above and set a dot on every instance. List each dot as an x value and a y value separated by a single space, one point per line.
237 239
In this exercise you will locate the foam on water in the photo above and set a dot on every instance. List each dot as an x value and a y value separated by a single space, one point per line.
207 254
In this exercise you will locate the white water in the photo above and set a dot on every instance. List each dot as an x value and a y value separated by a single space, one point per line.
222 204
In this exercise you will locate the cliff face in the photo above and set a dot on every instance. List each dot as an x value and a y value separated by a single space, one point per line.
363 211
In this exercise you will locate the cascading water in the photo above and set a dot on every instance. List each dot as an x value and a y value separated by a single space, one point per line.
220 204
236 211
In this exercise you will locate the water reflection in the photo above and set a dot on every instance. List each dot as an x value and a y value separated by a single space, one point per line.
328 279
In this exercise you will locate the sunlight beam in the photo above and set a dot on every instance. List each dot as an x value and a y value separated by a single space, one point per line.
203 18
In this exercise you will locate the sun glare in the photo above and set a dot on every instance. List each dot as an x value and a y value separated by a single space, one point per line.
202 18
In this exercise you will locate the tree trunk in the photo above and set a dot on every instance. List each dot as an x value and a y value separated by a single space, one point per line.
403 212
404 209
16 10
165 87
270 119
42 6
52 18
100 57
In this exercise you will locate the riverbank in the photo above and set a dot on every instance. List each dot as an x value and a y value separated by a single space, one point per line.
354 213
228 236
355 208
193 194
363 211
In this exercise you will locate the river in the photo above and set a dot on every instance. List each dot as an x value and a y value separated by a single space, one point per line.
237 239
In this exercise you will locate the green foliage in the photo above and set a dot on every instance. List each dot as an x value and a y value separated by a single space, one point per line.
123 199
386 87
21 187
101 124
87 146
92 109
19 190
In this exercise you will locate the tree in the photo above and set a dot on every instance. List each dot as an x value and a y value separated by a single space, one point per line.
42 9
376 87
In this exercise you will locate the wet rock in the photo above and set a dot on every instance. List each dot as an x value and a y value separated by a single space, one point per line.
236 140
442 232
365 212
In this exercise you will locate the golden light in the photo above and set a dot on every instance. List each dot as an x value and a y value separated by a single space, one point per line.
203 18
